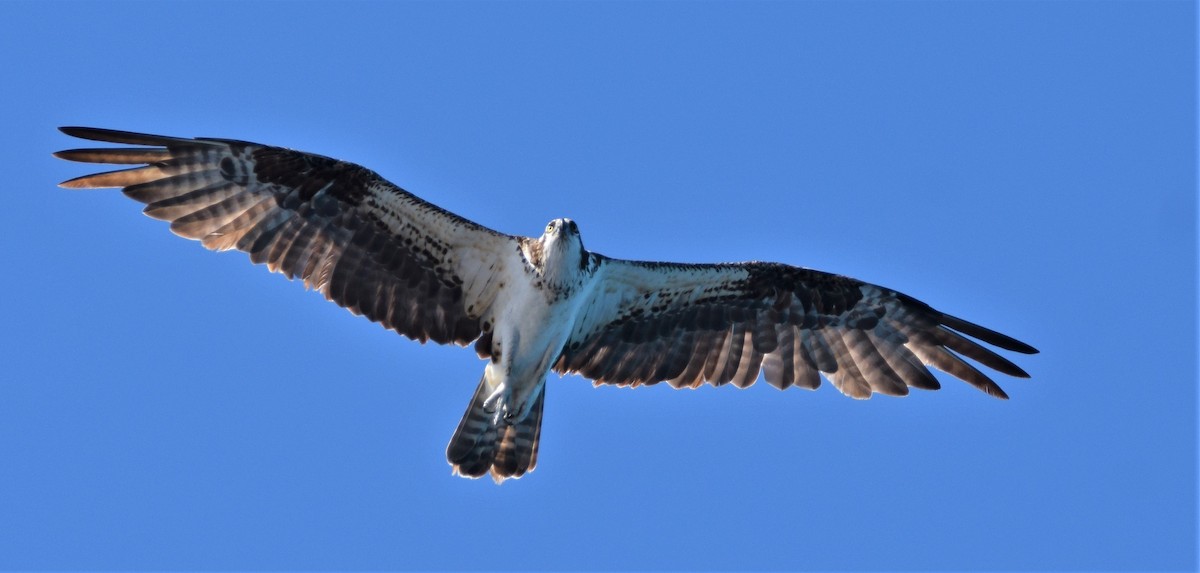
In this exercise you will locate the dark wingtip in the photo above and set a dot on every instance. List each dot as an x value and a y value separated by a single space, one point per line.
92 133
986 334
1018 346
969 328
116 136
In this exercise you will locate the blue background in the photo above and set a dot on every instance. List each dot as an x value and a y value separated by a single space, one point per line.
1030 166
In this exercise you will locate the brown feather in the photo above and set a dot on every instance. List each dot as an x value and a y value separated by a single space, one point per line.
848 378
128 156
119 178
875 369
943 360
171 208
173 185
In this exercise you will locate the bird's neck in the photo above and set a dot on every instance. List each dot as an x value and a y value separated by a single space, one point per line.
557 263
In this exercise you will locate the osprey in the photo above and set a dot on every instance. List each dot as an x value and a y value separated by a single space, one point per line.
531 305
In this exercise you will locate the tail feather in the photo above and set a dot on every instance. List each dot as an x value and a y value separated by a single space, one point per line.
518 443
486 443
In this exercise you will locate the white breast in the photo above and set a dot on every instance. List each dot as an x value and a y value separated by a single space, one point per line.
529 331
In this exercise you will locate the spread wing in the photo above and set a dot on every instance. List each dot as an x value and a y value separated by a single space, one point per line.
363 242
689 324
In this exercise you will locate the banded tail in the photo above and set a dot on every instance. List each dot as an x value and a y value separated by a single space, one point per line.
485 442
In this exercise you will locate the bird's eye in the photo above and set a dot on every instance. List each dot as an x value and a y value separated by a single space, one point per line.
550 227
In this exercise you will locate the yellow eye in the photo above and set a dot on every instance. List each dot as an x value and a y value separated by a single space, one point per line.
550 227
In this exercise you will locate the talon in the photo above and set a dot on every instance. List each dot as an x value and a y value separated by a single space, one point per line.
492 401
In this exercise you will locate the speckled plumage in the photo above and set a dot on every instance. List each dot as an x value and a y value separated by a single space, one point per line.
530 305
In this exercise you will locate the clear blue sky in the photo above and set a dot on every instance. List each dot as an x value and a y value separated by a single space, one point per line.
1027 165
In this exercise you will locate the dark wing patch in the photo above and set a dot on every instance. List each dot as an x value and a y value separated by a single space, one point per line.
690 324
363 242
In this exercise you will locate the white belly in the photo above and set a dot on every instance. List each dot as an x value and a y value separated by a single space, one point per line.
529 332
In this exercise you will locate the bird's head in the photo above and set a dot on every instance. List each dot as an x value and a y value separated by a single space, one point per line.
562 243
561 233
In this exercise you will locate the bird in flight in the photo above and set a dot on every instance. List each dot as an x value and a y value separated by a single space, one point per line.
535 304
